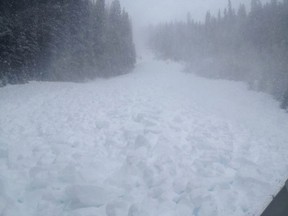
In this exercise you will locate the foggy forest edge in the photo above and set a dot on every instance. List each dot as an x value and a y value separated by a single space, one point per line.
235 44
80 40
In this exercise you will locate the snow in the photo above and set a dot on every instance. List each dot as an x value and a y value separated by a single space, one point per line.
154 142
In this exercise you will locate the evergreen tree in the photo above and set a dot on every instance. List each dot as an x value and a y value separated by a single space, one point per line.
114 40
99 43
242 13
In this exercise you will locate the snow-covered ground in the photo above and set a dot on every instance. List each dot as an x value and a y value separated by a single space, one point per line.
157 142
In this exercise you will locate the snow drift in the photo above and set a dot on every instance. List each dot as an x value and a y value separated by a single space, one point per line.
155 142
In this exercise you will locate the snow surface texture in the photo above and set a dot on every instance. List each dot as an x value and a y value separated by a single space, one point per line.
157 142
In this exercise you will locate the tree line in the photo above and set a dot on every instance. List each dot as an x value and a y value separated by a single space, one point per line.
63 40
234 44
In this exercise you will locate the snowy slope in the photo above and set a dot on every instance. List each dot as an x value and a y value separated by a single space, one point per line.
154 142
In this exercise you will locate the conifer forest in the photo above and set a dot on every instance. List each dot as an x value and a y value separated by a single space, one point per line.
63 40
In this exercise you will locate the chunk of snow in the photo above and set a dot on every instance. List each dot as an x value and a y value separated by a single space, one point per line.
83 196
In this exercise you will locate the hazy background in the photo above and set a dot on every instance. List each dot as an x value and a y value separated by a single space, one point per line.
155 11
145 12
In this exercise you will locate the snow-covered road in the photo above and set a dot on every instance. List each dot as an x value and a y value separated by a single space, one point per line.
157 142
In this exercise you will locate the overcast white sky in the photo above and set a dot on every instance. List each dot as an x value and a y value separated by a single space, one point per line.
147 11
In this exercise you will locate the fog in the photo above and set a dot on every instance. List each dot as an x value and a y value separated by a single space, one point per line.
155 11
146 12
182 126
72 44
243 44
